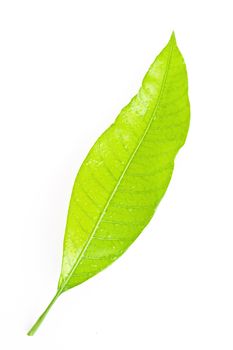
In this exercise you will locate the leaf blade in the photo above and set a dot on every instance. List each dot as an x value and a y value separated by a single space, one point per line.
105 174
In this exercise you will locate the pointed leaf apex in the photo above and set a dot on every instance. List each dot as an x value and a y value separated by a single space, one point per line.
173 38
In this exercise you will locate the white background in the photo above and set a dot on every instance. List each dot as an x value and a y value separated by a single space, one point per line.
66 70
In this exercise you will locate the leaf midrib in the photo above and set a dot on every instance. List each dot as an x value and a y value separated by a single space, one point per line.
61 289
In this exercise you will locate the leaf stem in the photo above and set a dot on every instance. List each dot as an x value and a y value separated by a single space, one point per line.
37 324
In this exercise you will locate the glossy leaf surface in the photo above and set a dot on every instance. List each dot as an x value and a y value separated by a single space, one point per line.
127 172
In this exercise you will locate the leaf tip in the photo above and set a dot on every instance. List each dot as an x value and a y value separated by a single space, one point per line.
173 38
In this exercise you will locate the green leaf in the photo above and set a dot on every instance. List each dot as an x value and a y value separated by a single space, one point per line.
126 173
